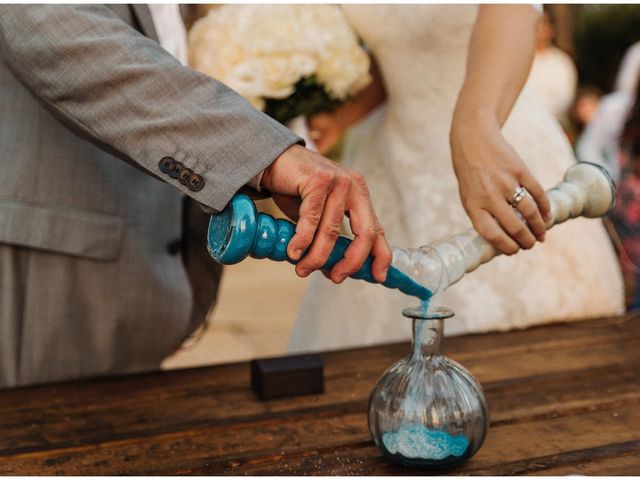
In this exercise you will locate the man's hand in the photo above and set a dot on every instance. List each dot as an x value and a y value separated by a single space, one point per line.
317 193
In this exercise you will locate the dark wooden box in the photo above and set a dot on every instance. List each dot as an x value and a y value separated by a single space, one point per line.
287 376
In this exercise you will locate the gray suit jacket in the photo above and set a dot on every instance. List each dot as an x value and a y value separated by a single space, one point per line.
97 274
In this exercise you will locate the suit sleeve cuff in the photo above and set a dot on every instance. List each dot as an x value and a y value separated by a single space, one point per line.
255 181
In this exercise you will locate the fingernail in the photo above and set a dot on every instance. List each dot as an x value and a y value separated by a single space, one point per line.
296 254
384 273
303 272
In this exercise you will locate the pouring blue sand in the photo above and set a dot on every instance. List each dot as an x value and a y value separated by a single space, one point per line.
419 442
240 231
395 278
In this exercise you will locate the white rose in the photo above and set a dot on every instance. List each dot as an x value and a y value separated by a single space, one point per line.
344 73
262 51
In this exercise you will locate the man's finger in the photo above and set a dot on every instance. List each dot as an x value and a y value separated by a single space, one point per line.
310 214
354 256
328 228
382 257
364 226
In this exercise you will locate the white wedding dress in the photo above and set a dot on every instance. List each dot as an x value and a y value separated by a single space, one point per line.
402 149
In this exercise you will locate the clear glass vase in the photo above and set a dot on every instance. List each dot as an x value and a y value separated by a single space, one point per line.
427 410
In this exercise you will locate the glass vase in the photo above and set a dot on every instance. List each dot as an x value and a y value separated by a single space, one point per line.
427 410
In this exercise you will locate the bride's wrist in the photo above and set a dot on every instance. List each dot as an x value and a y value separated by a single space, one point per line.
348 114
472 120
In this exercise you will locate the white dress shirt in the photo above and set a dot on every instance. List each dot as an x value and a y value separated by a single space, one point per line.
170 29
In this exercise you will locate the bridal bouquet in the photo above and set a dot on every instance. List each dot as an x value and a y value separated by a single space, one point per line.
287 60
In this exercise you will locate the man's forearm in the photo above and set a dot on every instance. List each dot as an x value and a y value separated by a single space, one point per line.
122 91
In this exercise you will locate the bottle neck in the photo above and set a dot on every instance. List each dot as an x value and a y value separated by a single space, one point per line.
427 337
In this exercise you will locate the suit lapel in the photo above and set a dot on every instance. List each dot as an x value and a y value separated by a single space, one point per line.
143 15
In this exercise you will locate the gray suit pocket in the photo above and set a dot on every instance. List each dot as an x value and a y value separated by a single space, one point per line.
60 229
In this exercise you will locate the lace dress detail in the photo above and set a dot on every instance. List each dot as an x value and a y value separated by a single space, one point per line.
403 150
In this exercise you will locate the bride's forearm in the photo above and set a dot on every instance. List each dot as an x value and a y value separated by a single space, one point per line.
488 169
501 51
326 128
364 102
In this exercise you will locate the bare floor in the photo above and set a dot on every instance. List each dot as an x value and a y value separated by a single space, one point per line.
257 305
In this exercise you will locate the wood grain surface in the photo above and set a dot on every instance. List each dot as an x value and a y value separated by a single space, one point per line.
564 400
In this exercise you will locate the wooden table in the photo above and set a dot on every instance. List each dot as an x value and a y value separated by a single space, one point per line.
564 399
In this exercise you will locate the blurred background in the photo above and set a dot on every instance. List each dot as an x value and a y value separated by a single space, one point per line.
585 70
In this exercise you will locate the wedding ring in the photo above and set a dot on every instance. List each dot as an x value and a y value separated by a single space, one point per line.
519 194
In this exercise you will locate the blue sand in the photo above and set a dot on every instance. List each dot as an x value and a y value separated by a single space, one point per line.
424 304
395 278
417 441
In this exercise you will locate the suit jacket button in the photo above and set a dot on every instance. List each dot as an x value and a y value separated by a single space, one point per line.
175 168
165 164
184 174
195 182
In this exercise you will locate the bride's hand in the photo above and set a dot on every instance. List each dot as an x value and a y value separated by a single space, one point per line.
489 171
326 129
